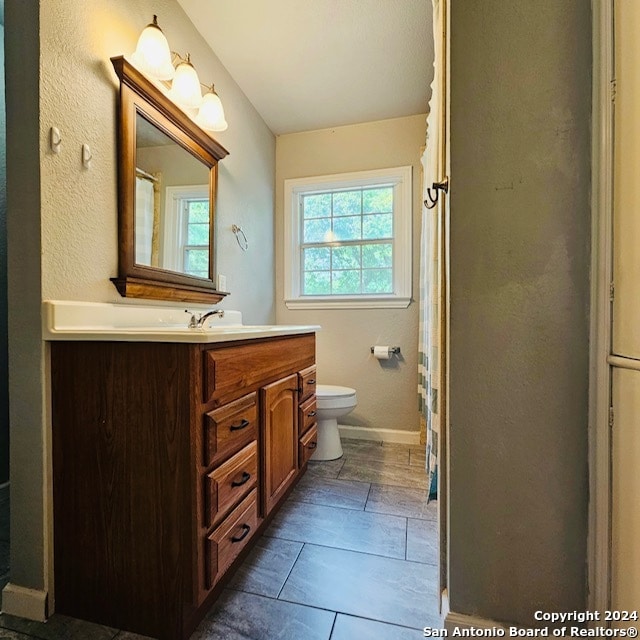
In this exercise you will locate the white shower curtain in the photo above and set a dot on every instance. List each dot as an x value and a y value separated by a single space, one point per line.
430 294
144 220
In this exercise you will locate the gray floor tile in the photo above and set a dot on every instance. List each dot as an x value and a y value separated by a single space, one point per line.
422 541
401 501
383 589
352 628
374 450
58 628
245 616
267 567
325 468
378 472
341 528
6 634
330 492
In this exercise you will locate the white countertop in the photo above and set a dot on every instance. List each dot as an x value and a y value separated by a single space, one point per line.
70 320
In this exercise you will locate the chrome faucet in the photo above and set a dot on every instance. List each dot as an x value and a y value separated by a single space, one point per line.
198 322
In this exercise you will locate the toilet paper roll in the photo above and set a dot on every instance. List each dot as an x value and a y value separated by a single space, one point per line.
381 352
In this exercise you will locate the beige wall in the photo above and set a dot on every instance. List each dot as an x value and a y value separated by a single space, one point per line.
387 395
74 210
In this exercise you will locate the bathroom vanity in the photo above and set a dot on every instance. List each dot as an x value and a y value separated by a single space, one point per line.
171 450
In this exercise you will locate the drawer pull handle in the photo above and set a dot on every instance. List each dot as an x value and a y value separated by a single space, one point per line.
246 528
312 381
245 478
312 414
236 427
312 445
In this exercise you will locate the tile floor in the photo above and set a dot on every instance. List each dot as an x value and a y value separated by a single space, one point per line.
351 555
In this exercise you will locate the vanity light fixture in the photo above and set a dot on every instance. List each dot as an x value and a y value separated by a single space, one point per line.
155 59
185 88
152 55
211 113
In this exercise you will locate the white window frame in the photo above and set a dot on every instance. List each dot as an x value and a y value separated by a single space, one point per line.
175 225
400 298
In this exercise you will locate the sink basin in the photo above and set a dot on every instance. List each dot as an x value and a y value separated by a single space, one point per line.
70 320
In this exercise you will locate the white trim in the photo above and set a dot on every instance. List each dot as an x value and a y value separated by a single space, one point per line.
24 603
599 538
401 178
348 302
386 435
455 620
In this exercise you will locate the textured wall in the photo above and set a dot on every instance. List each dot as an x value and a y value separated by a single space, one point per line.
520 215
4 364
79 206
75 210
387 396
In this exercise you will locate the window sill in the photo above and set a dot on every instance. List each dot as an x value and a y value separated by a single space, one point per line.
349 302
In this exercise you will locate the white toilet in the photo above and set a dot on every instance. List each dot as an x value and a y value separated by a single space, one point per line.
332 402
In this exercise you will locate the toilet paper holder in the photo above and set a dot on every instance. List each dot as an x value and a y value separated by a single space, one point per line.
395 350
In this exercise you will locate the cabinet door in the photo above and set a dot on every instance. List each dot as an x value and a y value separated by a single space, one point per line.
280 440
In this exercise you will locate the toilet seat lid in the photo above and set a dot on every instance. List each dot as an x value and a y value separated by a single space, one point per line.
333 391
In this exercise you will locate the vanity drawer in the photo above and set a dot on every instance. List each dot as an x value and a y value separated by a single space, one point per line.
228 540
307 412
307 446
230 482
307 383
228 429
230 372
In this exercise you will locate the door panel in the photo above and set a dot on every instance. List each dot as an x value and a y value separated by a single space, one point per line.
625 551
626 214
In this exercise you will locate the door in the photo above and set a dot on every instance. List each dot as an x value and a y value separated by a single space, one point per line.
279 408
625 377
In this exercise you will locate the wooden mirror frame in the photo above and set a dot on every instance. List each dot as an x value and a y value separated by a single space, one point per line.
139 95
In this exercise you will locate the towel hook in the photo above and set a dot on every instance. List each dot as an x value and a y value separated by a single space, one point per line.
432 200
244 243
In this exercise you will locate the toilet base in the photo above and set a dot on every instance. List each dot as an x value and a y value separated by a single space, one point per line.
329 445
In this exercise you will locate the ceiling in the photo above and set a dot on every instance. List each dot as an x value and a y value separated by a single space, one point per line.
314 64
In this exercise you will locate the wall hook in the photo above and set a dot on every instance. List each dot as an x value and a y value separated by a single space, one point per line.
243 243
432 198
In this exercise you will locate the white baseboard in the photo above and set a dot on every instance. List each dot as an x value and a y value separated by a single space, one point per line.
24 603
386 435
455 620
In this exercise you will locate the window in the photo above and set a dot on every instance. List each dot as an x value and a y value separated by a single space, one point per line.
348 240
186 245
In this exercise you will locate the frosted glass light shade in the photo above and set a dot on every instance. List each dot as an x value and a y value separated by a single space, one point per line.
152 55
185 88
211 114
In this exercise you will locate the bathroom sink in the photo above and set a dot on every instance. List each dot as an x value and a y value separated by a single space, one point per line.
70 320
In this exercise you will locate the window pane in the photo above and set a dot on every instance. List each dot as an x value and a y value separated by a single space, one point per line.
346 257
198 234
377 255
317 230
317 205
196 262
377 200
345 282
317 259
317 283
377 226
198 211
377 281
347 203
347 228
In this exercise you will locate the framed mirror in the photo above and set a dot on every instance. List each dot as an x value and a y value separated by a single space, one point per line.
167 184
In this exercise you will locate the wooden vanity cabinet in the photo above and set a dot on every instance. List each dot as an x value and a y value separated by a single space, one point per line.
168 459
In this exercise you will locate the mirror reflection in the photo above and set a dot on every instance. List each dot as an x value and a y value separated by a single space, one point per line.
172 213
